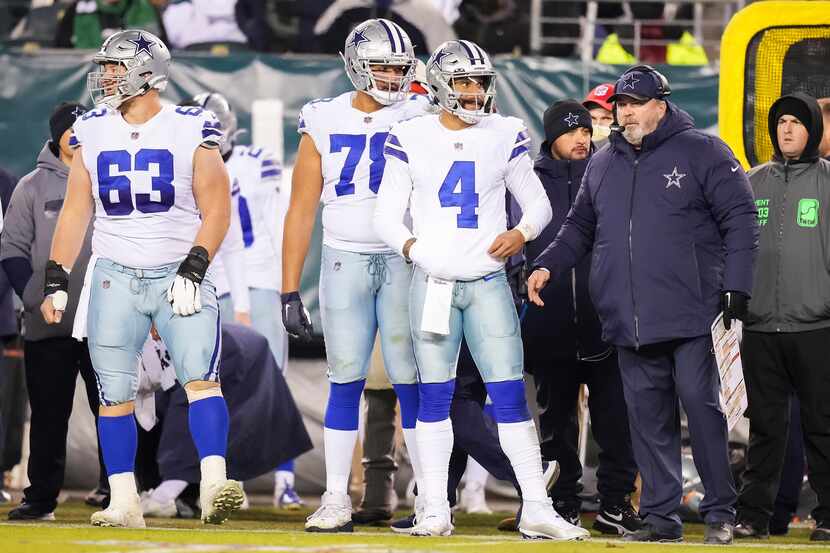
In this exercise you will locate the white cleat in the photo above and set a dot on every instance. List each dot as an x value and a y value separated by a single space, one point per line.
436 521
120 516
154 508
334 515
541 521
219 500
473 500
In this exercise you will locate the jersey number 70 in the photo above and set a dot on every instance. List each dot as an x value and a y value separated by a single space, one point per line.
115 191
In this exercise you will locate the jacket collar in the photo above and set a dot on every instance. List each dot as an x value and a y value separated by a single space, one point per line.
674 122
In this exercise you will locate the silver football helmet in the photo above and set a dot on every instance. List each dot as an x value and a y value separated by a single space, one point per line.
218 104
462 59
379 42
145 61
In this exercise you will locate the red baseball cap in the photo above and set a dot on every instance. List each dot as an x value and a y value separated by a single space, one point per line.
600 96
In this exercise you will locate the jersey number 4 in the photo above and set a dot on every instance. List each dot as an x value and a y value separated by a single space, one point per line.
356 144
462 174
115 191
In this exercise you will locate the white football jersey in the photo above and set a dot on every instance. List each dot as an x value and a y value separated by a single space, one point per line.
350 143
142 182
456 182
261 213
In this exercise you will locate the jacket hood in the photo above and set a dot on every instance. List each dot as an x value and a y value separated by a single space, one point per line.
675 121
815 127
47 160
555 168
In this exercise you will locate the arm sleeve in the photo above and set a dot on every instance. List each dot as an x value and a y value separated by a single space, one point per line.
233 258
393 196
576 237
732 204
529 193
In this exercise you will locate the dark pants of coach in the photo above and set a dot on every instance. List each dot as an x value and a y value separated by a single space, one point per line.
557 393
654 377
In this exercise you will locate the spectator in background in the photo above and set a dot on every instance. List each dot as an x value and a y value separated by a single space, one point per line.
8 330
88 23
824 147
52 357
786 340
602 112
201 21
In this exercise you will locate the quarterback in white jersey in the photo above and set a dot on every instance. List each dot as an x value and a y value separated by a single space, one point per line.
455 168
363 282
155 182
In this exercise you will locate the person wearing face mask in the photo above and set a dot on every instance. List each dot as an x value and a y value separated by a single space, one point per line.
669 218
599 106
580 355
785 343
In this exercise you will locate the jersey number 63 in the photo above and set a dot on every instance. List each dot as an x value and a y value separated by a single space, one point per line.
115 191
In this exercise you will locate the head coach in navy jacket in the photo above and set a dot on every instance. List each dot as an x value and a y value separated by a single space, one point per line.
668 215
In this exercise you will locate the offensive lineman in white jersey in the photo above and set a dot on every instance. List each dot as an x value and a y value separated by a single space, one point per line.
159 190
363 283
455 167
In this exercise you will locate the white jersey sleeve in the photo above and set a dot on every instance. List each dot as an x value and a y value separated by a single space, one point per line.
526 187
393 197
231 269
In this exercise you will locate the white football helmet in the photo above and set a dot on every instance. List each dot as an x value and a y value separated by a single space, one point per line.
146 62
379 42
461 59
221 108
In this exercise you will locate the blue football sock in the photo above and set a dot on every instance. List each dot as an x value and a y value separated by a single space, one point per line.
408 398
119 441
208 420
343 410
287 466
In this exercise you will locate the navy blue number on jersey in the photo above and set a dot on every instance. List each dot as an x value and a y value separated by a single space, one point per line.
462 174
356 144
122 203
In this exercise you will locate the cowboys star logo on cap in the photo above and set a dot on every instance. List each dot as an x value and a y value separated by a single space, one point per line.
628 81
572 119
142 45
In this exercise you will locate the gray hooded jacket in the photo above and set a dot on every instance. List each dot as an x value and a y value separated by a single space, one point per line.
28 228
791 291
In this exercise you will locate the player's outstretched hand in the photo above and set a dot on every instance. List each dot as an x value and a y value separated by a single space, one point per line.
295 317
185 297
55 291
506 244
538 279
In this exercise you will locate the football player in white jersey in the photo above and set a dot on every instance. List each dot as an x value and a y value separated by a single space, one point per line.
363 282
455 167
257 216
155 181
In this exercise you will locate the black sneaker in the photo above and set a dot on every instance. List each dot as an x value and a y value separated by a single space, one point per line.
568 510
620 519
779 526
372 517
403 525
822 532
718 533
28 511
649 533
748 530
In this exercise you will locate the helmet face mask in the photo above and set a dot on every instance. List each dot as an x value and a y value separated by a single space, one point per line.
371 49
462 80
129 64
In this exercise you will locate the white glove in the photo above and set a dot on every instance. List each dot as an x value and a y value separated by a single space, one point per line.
59 300
184 296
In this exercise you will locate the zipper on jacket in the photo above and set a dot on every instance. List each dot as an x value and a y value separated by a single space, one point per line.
631 258
779 242
573 270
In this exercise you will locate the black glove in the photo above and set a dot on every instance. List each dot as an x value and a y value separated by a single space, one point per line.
295 317
195 265
57 279
734 306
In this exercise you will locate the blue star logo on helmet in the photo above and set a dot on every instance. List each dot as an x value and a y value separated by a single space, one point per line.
439 57
358 38
142 45
628 81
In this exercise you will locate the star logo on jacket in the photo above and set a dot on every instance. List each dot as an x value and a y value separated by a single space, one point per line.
142 45
628 81
78 111
674 178
358 38
572 120
459 146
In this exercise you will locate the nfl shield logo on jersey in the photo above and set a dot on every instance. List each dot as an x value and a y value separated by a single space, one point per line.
459 146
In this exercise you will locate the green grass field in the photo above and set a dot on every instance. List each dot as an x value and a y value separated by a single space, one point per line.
263 529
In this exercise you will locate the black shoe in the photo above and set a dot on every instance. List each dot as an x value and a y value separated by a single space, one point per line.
821 533
27 511
403 525
620 519
779 526
718 533
568 510
747 530
98 497
651 534
372 517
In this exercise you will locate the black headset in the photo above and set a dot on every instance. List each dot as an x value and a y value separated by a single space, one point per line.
663 88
